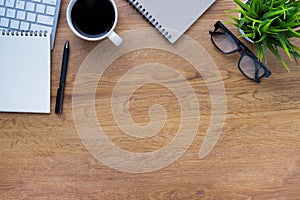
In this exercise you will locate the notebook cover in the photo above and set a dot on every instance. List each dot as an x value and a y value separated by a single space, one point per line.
172 17
24 72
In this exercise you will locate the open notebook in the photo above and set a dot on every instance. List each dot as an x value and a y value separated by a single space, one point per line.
24 72
172 17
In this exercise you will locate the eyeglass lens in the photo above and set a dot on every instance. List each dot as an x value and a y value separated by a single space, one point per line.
250 67
224 42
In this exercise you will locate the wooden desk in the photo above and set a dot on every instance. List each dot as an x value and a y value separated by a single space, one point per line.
257 155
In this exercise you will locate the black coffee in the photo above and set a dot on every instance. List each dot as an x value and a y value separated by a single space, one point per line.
93 18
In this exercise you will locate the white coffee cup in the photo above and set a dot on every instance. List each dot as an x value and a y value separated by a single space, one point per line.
93 20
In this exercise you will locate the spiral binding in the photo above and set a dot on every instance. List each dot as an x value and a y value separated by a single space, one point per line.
139 7
5 32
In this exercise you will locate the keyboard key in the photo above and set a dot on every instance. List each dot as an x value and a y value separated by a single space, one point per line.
31 17
30 6
10 3
48 20
4 22
10 13
40 8
14 24
50 10
2 11
21 15
24 26
1 2
51 2
20 4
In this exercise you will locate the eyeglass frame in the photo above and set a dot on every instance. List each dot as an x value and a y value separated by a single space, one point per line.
243 50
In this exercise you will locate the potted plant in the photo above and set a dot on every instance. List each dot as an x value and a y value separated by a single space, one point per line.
270 24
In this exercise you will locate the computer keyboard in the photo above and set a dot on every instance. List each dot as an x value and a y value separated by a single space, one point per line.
30 15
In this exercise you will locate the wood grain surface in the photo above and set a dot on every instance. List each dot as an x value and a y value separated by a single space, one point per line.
257 155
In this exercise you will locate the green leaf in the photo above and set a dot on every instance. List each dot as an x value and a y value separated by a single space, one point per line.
274 50
259 51
297 34
245 7
275 13
283 42
267 25
263 37
265 49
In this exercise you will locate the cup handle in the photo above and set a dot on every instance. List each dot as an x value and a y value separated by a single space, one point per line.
115 38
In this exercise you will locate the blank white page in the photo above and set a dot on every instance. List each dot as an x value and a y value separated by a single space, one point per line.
25 72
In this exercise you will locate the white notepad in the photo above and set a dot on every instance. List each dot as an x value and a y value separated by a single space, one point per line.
24 72
172 17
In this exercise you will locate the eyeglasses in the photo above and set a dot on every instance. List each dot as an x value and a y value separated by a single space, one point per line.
227 43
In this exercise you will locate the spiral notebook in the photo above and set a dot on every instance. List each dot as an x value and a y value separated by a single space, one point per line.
24 72
172 17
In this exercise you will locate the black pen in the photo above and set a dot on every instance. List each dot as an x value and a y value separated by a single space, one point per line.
63 74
